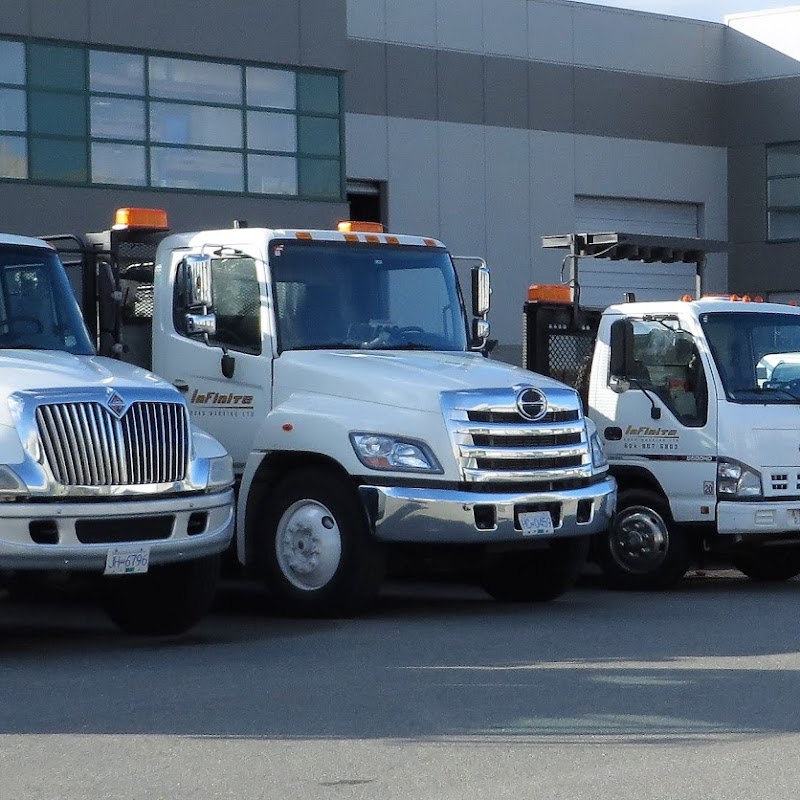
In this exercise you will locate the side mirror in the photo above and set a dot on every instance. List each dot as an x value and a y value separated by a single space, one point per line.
201 324
481 291
197 281
621 364
618 385
480 333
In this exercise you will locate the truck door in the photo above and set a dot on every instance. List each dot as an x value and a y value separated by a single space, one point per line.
226 375
654 412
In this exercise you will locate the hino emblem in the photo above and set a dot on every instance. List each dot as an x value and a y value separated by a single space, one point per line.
116 404
532 404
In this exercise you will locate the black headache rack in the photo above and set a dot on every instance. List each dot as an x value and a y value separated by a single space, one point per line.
558 337
111 273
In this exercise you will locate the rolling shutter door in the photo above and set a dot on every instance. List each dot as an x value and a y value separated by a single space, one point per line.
604 282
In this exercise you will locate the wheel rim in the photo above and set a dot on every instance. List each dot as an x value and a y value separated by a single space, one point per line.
639 539
308 545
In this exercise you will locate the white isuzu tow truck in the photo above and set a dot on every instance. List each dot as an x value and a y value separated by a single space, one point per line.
101 471
339 369
698 404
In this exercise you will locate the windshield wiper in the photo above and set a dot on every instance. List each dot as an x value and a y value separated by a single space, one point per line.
764 390
405 346
327 346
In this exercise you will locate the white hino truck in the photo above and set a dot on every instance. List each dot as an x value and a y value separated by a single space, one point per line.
697 400
340 370
101 471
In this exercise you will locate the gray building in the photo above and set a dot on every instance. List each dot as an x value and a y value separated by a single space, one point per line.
486 123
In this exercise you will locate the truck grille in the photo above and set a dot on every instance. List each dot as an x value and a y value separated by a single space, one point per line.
494 443
86 445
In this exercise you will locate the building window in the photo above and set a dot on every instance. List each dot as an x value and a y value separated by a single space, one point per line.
86 116
783 191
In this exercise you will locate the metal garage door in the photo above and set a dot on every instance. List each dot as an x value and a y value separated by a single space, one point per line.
604 282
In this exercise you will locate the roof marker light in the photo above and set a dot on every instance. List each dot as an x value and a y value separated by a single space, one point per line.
154 219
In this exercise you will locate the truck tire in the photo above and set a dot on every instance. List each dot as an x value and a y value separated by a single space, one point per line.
167 600
319 557
537 575
779 564
644 548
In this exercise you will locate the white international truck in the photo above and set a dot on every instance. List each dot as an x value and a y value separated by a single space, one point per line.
101 471
698 404
340 370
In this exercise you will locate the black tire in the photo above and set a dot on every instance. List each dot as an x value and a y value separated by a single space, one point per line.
319 556
536 575
766 565
644 548
166 600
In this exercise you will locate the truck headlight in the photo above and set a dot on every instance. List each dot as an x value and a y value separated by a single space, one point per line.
598 453
735 479
11 485
377 451
220 472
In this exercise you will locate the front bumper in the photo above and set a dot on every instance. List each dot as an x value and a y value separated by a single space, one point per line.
758 517
211 517
442 516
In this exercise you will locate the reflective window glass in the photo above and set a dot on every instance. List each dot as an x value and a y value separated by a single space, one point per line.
269 131
319 136
784 192
12 109
320 178
271 88
57 114
118 163
58 160
117 118
57 67
179 79
176 123
271 174
181 168
13 157
116 72
318 93
12 62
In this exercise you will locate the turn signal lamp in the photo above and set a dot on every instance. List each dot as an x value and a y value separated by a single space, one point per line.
154 219
354 226
549 293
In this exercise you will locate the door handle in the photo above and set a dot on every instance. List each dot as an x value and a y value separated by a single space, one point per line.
180 385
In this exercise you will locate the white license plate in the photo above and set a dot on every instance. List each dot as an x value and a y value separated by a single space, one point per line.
127 560
794 516
536 523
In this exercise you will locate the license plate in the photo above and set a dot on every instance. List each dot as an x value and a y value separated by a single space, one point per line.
127 560
536 523
794 515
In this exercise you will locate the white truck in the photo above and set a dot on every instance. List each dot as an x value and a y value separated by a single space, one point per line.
101 471
698 404
339 369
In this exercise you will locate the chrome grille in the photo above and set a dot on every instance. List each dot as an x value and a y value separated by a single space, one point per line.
86 445
494 443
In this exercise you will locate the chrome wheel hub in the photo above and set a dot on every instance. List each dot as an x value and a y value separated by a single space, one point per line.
308 545
639 539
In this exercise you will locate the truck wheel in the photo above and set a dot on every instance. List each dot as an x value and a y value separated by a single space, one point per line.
644 548
319 556
167 600
768 565
537 575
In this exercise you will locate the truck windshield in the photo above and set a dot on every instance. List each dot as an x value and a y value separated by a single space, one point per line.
757 355
365 296
38 310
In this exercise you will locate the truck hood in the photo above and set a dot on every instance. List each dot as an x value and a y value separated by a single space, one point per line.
32 370
405 379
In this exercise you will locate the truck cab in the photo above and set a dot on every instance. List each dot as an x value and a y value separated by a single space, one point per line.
101 472
697 403
342 372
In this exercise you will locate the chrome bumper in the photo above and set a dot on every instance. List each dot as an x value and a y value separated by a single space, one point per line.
19 551
403 514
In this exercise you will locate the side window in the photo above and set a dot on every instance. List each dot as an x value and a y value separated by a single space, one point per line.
236 302
664 360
